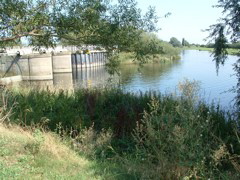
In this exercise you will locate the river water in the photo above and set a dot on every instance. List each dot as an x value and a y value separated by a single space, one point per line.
193 65
163 77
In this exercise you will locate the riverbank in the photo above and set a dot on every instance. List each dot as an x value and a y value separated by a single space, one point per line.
34 153
129 58
145 136
230 51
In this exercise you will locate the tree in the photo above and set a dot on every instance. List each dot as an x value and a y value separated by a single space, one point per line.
149 45
175 42
24 19
228 25
185 43
75 22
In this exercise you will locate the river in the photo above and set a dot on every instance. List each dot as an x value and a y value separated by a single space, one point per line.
163 77
193 65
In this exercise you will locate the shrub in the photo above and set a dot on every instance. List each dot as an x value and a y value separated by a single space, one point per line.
92 144
188 141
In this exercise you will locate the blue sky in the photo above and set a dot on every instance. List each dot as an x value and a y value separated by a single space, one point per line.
188 18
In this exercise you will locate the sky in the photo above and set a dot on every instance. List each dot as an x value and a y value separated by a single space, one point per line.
187 20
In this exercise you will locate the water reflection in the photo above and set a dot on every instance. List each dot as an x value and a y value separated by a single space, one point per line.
63 80
194 65
60 81
90 77
147 72
163 77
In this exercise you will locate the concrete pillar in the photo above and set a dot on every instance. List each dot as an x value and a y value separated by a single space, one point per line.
62 63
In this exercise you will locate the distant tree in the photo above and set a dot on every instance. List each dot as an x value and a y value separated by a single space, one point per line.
185 43
234 45
150 45
210 45
175 42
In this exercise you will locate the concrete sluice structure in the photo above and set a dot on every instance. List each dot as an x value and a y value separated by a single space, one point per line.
55 69
94 59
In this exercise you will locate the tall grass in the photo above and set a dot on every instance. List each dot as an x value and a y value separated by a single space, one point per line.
183 143
103 108
151 136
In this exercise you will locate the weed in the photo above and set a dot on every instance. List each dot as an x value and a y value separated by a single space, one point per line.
93 144
34 147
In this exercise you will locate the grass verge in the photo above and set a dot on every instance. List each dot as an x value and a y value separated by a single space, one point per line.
27 153
230 51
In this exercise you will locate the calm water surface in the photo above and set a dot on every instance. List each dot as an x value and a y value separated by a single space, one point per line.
193 65
164 77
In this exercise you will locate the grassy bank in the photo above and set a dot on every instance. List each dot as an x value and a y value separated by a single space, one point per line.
230 51
144 136
28 154
129 58
31 153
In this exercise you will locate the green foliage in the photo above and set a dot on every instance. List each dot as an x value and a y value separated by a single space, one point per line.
75 22
220 52
185 43
178 145
175 42
149 48
108 108
80 109
92 144
112 66
34 147
149 136
25 19
229 25
169 50
234 45
209 47
185 142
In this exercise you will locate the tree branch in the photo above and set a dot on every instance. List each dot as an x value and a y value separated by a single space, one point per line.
31 33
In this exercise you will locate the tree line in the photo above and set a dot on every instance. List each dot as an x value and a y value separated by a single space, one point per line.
176 43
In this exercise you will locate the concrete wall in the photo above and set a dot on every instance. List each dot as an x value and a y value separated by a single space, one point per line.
9 80
43 67
36 67
62 63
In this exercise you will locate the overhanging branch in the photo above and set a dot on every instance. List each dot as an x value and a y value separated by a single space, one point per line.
31 33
